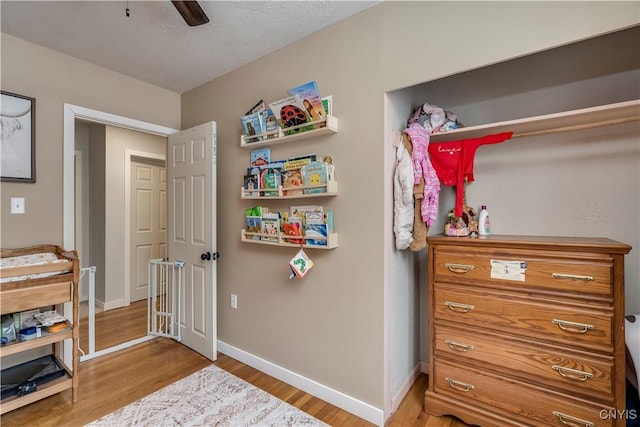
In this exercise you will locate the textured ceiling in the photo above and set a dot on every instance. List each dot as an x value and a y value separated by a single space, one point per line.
154 44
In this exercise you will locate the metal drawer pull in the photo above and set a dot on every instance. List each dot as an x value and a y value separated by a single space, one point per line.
460 308
453 345
458 385
573 374
572 421
459 268
574 327
572 276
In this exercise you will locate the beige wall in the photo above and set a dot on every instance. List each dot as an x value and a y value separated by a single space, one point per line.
55 79
331 326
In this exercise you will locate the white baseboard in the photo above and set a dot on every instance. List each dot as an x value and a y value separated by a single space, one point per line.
350 404
396 400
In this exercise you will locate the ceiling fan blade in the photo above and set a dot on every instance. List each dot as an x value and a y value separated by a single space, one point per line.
191 12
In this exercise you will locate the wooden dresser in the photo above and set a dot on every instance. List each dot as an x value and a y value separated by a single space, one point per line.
527 330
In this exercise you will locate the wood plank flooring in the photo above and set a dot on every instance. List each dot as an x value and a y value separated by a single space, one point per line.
115 380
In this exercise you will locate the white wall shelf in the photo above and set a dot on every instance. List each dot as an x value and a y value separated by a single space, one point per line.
332 240
255 194
585 118
280 137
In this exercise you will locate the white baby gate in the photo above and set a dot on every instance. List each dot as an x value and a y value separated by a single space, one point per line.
166 280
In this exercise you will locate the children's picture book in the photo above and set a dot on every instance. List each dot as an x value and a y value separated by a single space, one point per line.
300 211
291 182
251 183
292 229
254 225
314 217
314 177
260 157
300 264
327 104
290 112
270 124
270 180
270 227
251 126
311 101
316 234
258 108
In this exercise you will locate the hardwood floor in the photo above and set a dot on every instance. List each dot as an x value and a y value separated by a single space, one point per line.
115 380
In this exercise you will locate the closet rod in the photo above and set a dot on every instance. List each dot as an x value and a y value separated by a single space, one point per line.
578 127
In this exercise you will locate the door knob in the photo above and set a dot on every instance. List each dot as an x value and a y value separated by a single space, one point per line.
206 256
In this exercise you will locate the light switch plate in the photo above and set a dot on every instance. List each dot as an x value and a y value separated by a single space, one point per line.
17 205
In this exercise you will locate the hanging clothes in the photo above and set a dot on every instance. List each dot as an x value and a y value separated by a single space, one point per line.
422 168
453 162
403 198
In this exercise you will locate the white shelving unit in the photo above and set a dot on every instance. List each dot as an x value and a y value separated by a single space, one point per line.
585 118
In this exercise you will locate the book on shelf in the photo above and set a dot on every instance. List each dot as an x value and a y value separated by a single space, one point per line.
251 182
252 126
270 180
270 226
292 229
315 217
270 124
291 182
327 104
258 108
300 211
260 157
311 101
314 177
290 112
316 234
254 225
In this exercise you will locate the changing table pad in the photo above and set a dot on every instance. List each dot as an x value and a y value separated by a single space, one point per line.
30 261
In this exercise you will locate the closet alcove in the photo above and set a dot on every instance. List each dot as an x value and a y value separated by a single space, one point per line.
582 182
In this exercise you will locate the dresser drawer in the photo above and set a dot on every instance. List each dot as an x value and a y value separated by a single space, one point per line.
527 404
20 298
577 373
571 274
547 320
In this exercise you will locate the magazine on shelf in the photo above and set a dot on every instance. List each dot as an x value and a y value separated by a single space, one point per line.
251 126
311 101
315 175
270 226
290 112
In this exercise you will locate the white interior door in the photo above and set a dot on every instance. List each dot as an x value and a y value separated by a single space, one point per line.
148 221
191 231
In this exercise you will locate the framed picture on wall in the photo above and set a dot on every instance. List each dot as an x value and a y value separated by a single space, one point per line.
17 138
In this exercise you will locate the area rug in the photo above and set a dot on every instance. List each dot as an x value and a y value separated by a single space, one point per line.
209 397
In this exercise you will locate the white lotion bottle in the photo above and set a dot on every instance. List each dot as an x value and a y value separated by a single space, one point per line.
484 226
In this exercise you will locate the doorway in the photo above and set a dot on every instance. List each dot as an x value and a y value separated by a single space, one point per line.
115 249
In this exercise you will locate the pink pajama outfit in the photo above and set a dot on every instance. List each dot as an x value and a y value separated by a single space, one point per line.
422 168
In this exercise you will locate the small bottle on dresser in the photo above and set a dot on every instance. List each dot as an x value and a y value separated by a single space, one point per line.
484 228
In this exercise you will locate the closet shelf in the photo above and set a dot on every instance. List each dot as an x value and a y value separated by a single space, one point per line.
331 127
332 240
585 118
332 190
